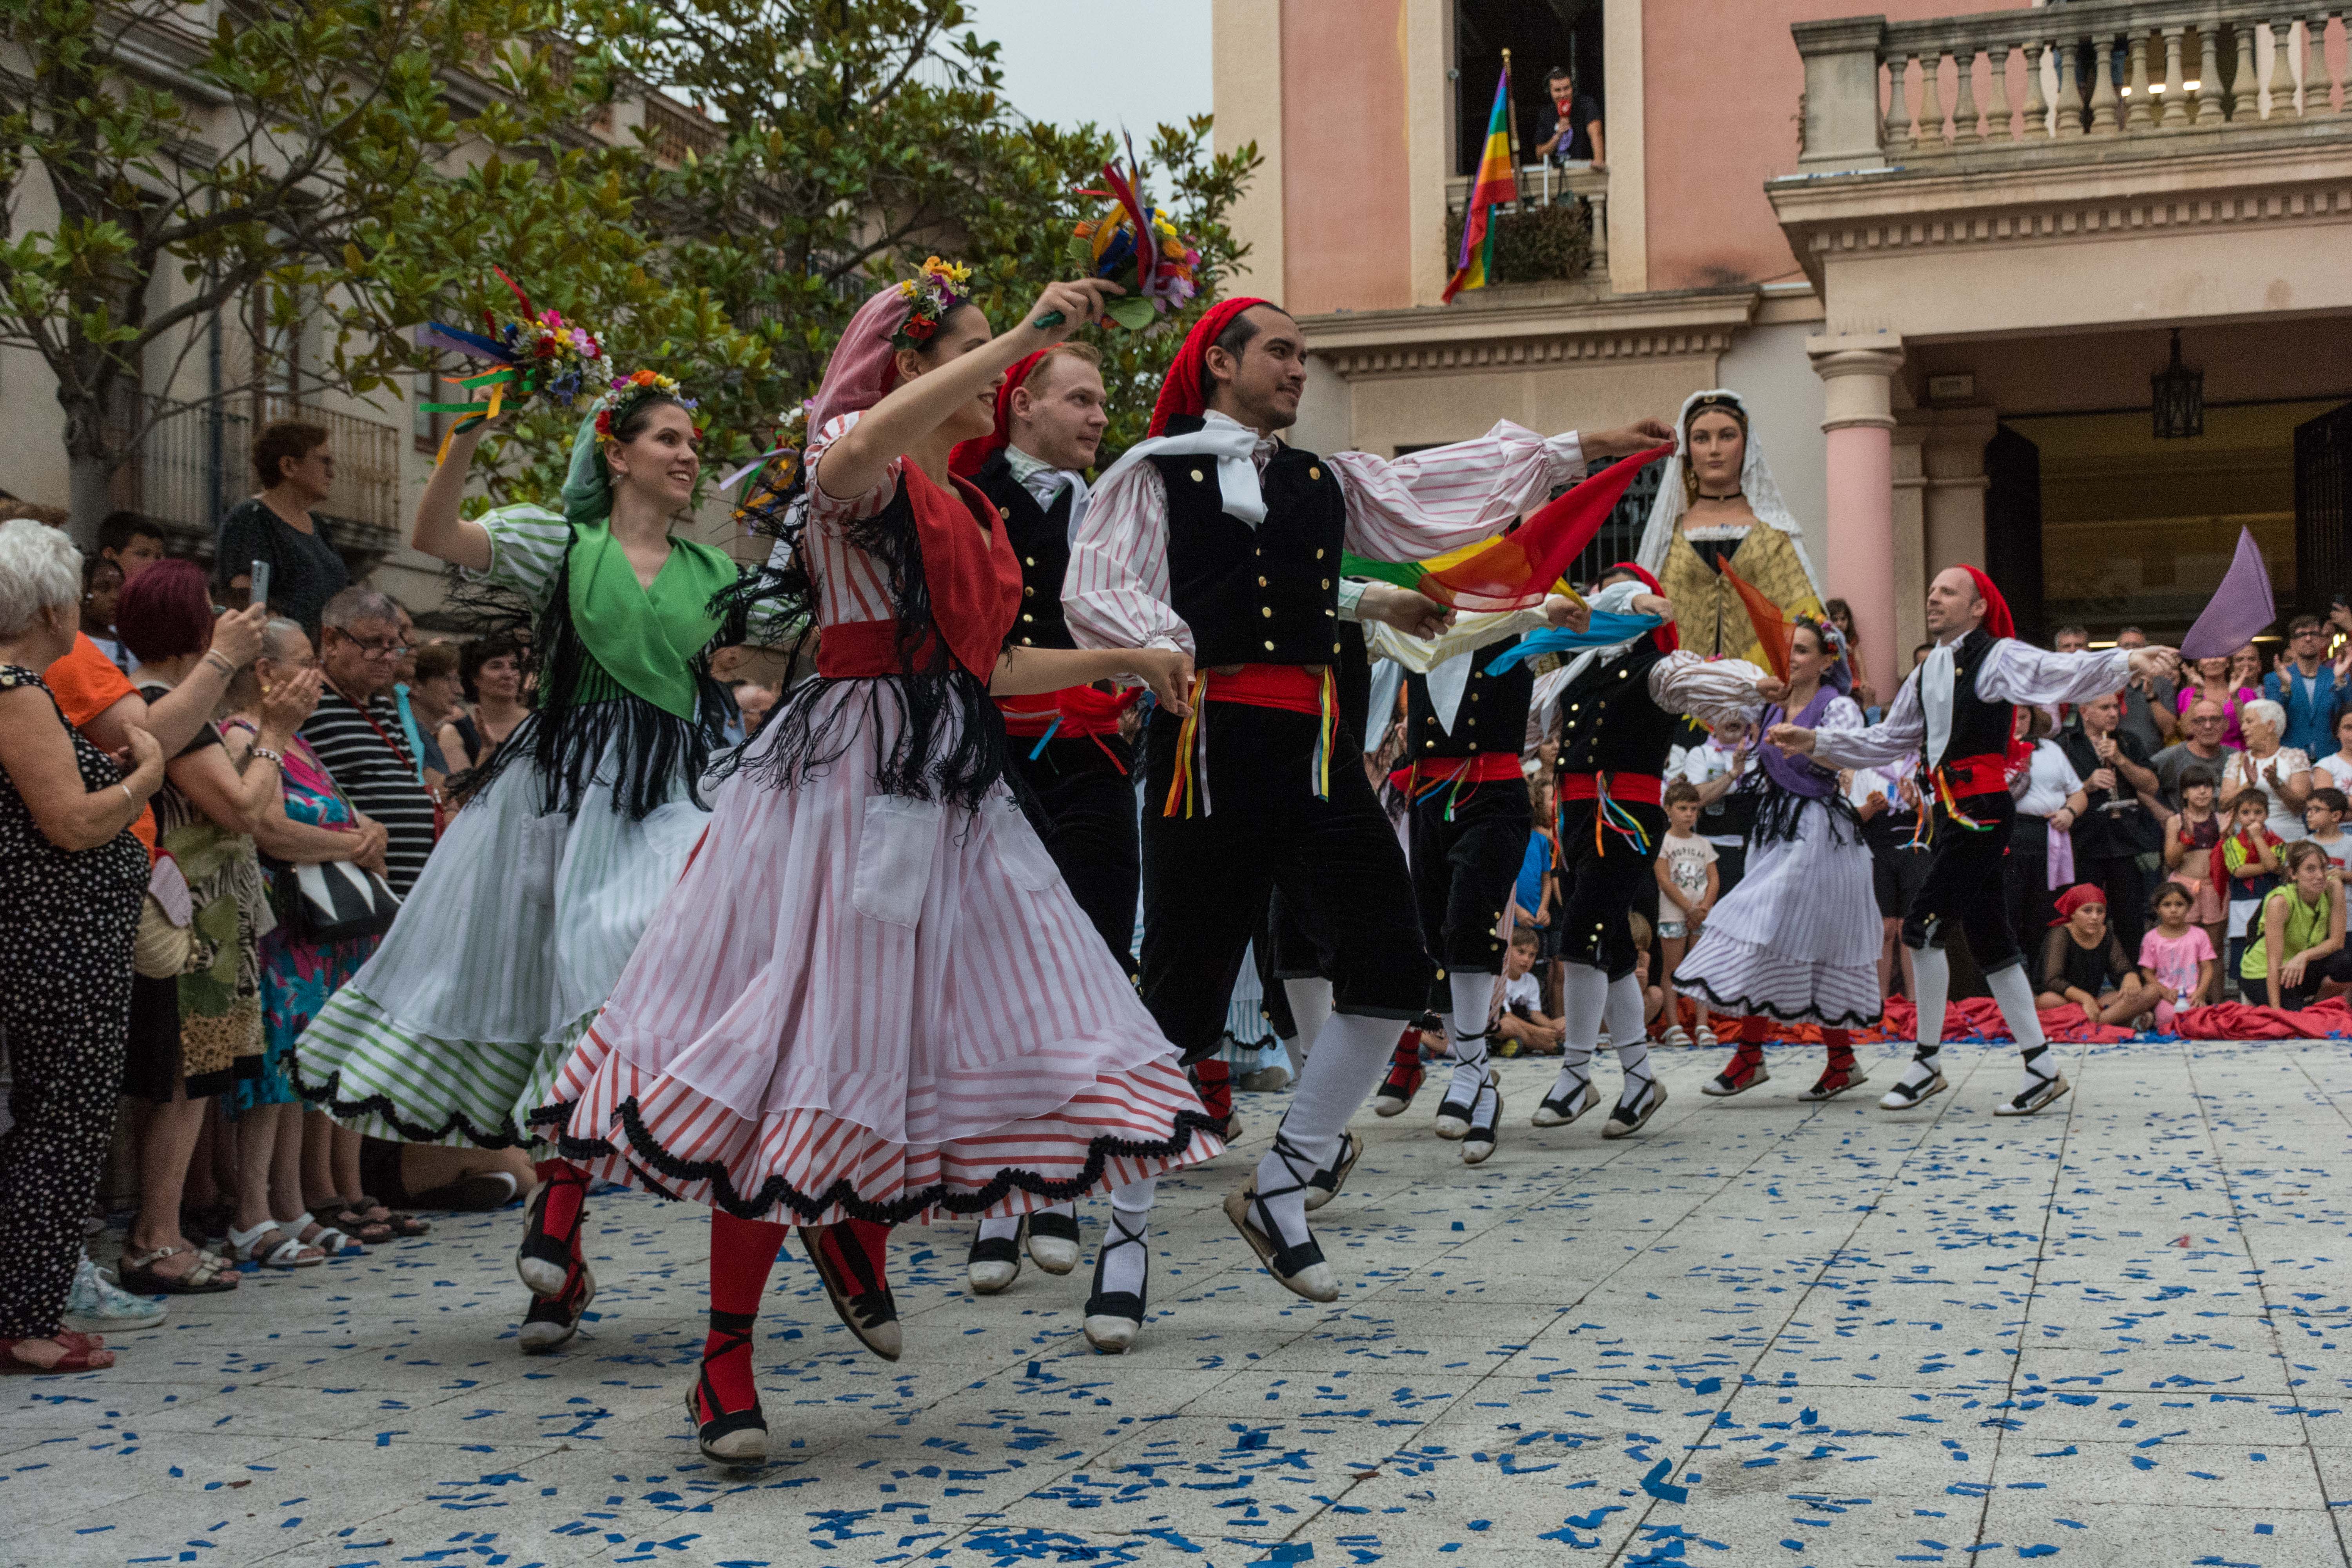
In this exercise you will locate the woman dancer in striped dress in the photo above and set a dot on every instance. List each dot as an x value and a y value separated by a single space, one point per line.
572 833
871 997
1798 938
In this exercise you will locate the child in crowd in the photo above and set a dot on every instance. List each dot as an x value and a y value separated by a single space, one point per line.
2084 966
1688 883
2323 814
1654 997
2338 764
2176 959
2295 948
1523 1029
1536 895
2246 865
2190 835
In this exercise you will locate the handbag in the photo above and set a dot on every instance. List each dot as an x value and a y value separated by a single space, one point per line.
331 901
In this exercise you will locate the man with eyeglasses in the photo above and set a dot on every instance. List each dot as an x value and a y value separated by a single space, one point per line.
2203 744
356 729
2305 684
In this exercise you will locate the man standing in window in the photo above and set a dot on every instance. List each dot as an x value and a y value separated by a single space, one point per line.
1570 126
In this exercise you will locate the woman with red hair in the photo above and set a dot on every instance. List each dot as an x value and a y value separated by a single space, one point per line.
196 1007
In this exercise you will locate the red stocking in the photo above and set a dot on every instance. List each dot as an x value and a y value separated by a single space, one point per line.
742 1251
1841 1044
1213 1079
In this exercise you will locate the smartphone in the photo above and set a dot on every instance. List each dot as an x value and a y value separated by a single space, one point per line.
259 593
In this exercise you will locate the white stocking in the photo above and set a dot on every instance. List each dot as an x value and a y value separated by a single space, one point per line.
1310 1009
1584 996
1125 1257
1350 1055
1933 972
1473 1005
1629 1033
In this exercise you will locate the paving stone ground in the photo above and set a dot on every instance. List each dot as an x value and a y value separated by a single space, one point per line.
1765 1332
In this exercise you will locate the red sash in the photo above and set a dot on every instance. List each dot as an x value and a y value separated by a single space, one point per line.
1073 712
1486 767
1641 789
1294 688
973 575
1986 773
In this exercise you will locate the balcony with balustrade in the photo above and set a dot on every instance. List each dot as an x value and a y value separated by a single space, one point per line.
2215 127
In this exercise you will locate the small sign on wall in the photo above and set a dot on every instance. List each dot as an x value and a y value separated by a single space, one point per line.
1951 388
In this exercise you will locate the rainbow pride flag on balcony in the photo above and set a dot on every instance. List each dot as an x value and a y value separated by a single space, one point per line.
1498 185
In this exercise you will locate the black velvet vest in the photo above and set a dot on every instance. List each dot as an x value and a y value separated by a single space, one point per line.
1608 723
1493 716
1268 594
1043 538
1980 727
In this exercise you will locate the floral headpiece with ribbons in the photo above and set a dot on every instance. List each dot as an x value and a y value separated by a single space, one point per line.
535 355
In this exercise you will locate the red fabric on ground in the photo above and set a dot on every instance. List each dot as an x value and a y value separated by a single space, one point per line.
1979 1018
2240 1021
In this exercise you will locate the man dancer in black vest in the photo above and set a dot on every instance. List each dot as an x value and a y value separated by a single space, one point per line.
1617 710
1215 537
1955 717
1050 417
1469 832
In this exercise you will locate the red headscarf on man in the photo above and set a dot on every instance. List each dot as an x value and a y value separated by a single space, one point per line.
968 456
1666 639
1996 621
1179 389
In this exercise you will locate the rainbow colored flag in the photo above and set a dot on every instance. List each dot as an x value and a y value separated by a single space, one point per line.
1498 185
1515 570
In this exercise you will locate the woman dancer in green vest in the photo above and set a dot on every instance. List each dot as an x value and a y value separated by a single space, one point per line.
571 832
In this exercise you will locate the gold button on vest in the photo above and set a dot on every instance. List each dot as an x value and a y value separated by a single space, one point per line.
1314 473
1197 475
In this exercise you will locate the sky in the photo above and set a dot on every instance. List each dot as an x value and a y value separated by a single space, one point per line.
1131 63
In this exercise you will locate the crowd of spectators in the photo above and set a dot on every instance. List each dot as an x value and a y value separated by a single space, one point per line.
180 767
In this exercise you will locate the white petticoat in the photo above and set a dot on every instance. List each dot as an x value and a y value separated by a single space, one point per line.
1798 938
512 939
858 1003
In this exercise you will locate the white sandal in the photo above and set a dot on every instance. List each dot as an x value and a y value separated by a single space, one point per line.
333 1242
245 1247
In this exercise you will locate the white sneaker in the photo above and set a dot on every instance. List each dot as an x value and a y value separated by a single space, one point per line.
1678 1036
96 1305
1707 1037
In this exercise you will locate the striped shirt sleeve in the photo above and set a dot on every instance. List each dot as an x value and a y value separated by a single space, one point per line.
1427 502
527 546
1115 593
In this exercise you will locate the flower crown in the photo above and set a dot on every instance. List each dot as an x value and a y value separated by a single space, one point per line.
1832 640
612 409
932 295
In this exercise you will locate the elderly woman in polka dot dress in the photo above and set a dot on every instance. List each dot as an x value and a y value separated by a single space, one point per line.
70 879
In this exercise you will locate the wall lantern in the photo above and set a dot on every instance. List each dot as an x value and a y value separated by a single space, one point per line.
2178 393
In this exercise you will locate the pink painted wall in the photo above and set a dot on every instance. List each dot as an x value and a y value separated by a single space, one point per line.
1723 83
1345 186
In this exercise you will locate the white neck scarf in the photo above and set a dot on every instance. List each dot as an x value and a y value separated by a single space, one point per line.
1233 444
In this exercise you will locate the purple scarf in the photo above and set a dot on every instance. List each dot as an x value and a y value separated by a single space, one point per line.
1800 776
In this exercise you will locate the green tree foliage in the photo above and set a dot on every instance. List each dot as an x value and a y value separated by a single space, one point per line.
848 140
166 162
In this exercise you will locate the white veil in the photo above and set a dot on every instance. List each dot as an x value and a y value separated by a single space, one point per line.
1756 483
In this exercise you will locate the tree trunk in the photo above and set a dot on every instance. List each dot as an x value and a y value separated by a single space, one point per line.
89 474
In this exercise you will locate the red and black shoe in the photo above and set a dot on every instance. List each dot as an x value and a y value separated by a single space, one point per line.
550 1252
850 1257
1841 1074
727 1437
1405 1075
553 1320
1743 1072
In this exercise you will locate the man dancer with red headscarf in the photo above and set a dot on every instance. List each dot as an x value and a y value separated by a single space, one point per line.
1956 715
1216 538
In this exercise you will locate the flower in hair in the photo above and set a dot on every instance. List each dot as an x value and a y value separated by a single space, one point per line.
933 294
626 392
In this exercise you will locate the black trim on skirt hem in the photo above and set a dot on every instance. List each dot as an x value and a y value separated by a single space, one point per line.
647 1157
1746 1008
325 1097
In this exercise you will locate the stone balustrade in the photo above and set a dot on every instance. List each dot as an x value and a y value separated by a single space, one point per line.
1907 93
1541 185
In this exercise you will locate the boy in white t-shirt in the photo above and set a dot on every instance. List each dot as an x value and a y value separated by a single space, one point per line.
2323 814
1688 881
1520 1024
